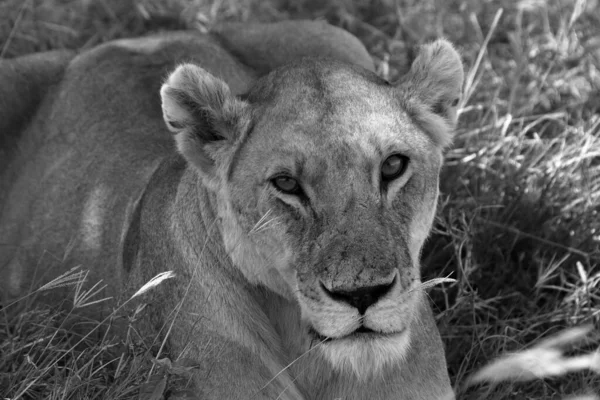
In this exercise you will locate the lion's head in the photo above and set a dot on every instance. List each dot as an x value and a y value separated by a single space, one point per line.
326 180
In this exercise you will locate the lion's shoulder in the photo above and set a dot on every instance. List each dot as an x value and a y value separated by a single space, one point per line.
266 47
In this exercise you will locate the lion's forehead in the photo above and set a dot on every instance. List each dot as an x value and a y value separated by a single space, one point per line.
331 127
345 146
329 104
355 135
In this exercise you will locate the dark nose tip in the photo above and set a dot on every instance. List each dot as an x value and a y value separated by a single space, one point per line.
361 298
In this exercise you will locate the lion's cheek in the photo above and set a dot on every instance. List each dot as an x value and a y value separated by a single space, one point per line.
419 213
420 227
260 255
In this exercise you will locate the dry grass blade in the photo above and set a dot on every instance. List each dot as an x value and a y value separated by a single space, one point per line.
578 9
568 337
72 277
14 29
289 365
542 361
157 280
83 297
470 80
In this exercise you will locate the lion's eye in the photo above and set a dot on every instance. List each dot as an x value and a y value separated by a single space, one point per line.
287 185
393 167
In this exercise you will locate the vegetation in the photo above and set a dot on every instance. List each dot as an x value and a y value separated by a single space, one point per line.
518 226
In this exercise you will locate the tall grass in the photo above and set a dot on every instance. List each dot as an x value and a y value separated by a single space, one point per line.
518 227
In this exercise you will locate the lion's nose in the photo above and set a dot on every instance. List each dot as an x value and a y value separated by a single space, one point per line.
361 298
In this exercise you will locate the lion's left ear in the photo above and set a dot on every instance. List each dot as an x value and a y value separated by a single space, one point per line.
431 90
206 118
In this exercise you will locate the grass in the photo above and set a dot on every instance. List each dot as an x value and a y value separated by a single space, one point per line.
518 225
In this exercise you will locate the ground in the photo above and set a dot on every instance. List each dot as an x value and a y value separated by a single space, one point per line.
518 225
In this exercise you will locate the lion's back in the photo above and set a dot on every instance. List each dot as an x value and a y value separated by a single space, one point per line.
86 156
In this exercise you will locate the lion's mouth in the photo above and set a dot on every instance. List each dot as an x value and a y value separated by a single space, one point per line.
364 329
362 333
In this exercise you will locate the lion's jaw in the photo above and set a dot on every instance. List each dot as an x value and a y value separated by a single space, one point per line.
366 356
363 344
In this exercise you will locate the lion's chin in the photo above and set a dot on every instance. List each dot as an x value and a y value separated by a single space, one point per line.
366 354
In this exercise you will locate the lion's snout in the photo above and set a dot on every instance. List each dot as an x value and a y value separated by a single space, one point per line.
361 297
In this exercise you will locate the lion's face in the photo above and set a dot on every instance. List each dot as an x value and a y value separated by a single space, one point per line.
329 191
336 180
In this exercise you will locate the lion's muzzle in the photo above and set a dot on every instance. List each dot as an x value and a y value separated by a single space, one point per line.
361 297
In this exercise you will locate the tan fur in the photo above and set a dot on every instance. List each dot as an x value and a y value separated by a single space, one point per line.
110 189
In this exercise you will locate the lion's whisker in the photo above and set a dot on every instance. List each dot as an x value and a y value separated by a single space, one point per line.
264 223
293 362
261 222
431 283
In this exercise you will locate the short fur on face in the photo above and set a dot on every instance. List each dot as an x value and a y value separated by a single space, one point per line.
330 127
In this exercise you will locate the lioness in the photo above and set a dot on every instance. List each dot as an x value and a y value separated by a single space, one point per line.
292 203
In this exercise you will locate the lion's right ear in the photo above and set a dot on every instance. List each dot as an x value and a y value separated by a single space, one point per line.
431 90
206 118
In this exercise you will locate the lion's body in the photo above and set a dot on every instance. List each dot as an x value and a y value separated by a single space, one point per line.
95 179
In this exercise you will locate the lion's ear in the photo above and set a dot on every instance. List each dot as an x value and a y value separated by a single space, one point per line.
431 90
206 118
